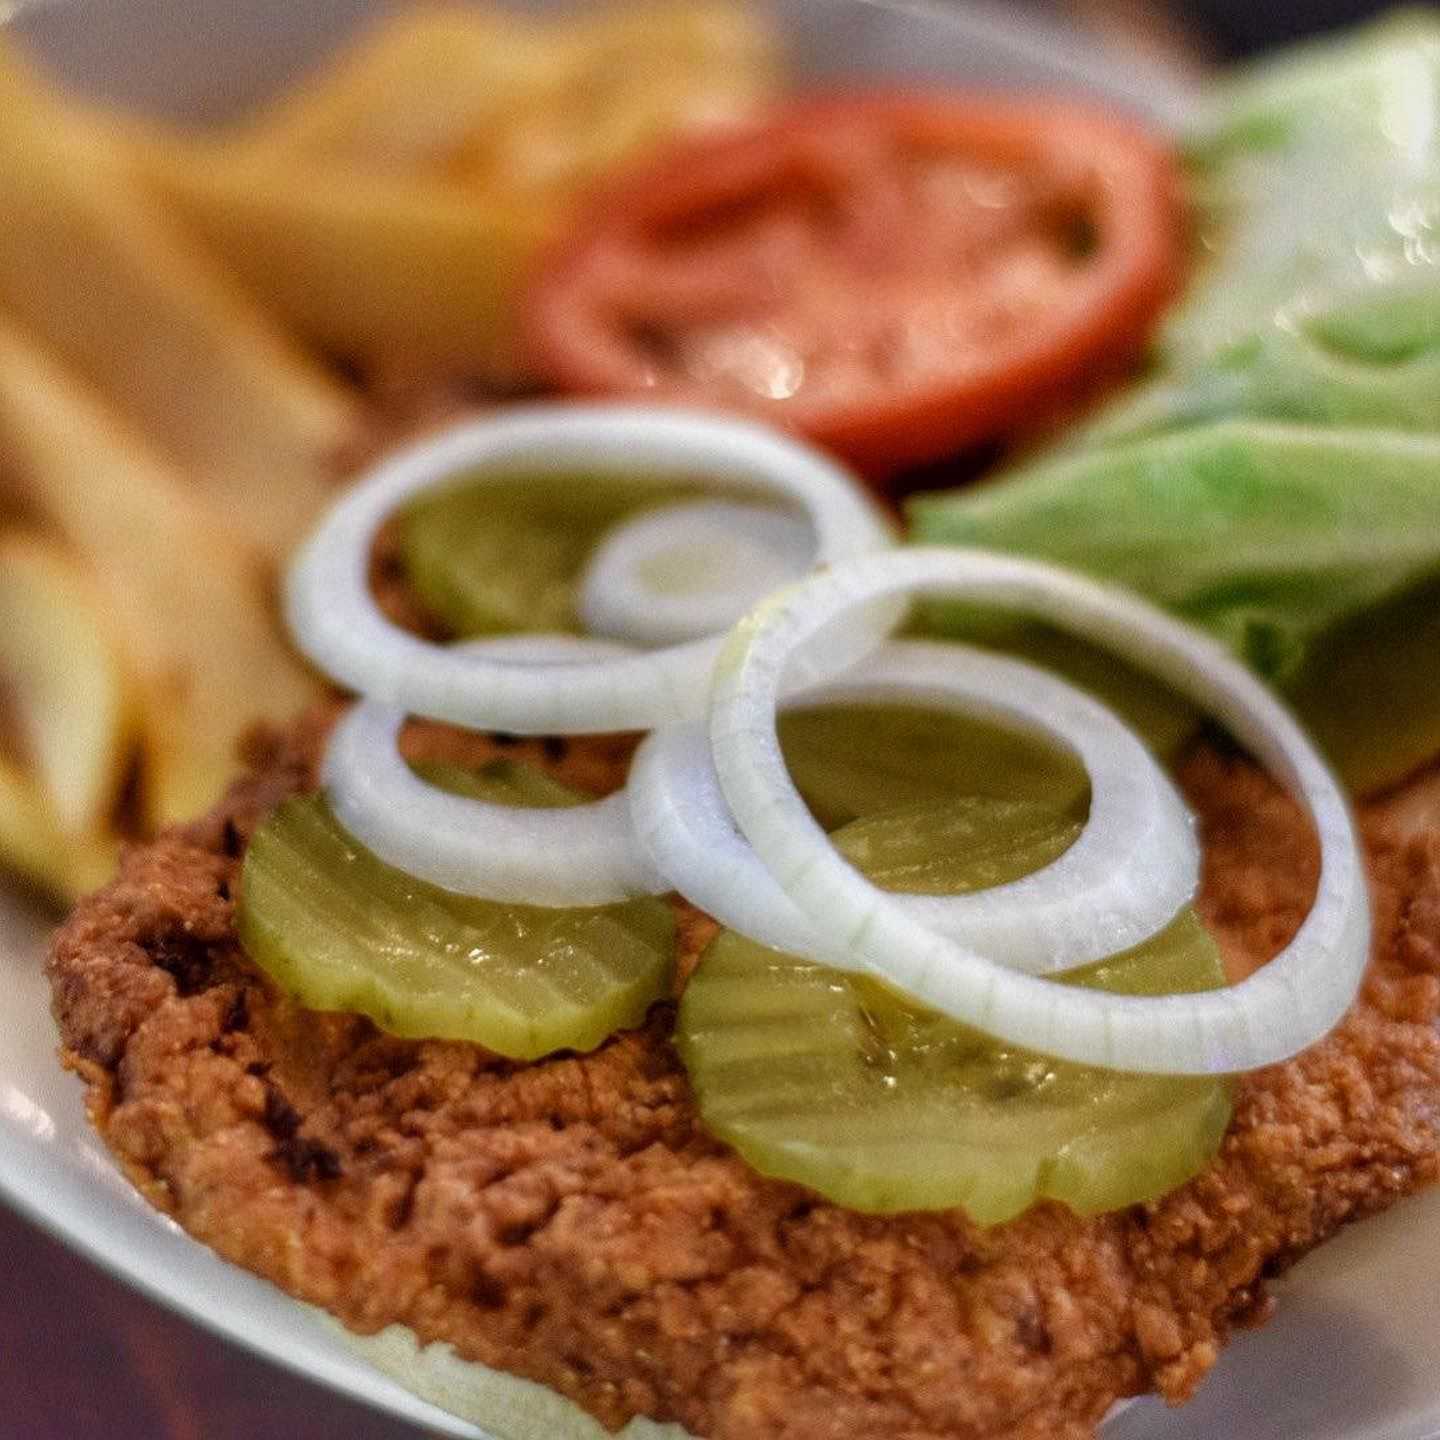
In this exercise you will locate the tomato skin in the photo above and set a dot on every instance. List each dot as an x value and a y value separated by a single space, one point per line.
623 271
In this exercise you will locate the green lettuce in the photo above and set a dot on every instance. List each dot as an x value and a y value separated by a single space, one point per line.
1317 292
1275 478
1266 534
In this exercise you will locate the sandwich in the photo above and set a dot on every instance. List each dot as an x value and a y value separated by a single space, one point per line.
717 1150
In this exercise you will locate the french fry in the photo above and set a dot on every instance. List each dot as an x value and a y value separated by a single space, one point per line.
406 92
623 79
30 842
63 866
91 266
67 680
488 95
389 208
157 410
403 276
33 845
209 656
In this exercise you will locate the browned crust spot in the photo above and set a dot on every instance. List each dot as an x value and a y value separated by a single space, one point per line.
570 1220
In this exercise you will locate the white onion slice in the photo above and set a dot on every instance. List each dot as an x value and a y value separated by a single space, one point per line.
679 816
1276 1012
337 623
690 570
1082 907
573 855
542 647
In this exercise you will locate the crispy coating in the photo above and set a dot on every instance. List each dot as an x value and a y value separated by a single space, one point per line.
571 1221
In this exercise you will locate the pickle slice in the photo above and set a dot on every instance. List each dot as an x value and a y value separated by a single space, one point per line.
854 761
501 782
950 847
502 555
837 1083
341 930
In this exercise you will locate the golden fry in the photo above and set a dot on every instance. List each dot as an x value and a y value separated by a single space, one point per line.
406 92
540 107
209 656
67 682
66 739
96 272
624 79
406 277
390 209
64 866
30 843
156 411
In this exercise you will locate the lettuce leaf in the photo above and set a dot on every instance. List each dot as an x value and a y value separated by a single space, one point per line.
1276 479
1317 292
1266 534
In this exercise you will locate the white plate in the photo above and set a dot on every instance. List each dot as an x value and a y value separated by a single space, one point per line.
1355 1351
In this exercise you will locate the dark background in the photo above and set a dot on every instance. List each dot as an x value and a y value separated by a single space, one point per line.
1240 27
83 1358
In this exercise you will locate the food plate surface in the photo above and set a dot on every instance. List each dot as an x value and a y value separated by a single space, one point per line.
1355 1351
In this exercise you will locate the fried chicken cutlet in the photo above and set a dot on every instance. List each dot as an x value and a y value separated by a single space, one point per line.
571 1220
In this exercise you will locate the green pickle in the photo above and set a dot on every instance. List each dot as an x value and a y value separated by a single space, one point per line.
947 847
839 1084
502 555
342 930
501 782
853 761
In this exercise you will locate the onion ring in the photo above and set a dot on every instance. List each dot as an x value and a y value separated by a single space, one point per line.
578 855
1081 908
720 558
1276 1012
337 623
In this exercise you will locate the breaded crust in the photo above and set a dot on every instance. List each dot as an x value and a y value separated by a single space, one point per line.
572 1222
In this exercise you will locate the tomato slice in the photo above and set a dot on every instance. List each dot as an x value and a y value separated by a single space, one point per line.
895 275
